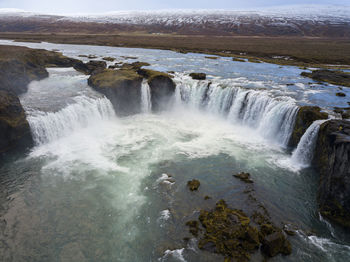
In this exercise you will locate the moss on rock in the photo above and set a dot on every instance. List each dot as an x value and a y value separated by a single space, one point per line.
121 87
329 76
230 232
193 184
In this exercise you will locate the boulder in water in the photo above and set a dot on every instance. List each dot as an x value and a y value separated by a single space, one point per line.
121 87
198 76
108 58
332 160
304 118
14 128
245 177
193 184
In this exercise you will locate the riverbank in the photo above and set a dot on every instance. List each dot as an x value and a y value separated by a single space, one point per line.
297 51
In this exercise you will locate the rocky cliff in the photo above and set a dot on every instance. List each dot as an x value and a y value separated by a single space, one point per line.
19 66
332 160
304 118
123 87
14 128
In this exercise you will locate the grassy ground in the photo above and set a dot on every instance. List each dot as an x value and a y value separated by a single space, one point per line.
301 51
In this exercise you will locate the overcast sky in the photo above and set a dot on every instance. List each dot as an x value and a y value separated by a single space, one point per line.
98 6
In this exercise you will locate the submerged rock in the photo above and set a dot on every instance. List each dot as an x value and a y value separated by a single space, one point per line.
14 128
304 118
121 87
198 76
193 184
332 77
245 177
332 160
162 88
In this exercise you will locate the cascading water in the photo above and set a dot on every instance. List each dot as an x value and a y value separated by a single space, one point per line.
146 104
303 154
272 117
49 126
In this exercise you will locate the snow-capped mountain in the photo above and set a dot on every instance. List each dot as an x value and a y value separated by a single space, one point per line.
308 20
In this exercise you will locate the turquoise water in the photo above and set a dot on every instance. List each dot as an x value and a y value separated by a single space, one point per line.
98 187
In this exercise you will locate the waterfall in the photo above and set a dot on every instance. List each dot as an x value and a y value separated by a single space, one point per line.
146 104
49 126
303 154
272 117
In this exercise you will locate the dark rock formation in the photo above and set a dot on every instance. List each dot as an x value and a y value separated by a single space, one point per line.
332 160
230 232
20 65
162 88
198 76
193 185
245 177
305 117
108 58
238 59
276 243
340 94
121 87
91 67
332 77
14 128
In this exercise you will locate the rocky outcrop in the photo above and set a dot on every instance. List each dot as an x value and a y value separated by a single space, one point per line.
20 65
198 76
231 233
91 67
332 77
14 128
162 88
332 160
121 87
304 118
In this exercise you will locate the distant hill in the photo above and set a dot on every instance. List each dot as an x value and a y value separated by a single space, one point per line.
313 21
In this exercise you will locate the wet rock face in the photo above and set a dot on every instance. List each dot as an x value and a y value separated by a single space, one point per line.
198 76
14 128
332 77
121 87
305 117
162 88
332 159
